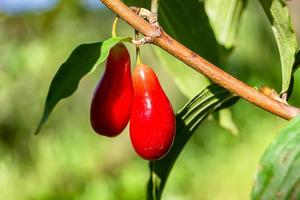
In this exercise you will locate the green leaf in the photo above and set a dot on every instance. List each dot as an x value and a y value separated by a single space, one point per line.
297 61
211 99
295 68
188 23
226 121
278 15
107 45
188 81
80 62
139 3
225 17
278 175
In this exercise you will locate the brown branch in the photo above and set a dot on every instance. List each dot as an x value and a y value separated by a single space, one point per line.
163 40
154 6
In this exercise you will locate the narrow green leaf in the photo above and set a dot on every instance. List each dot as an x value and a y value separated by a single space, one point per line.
278 175
225 17
79 63
279 17
211 99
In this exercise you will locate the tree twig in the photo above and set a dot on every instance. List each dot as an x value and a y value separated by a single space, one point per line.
154 6
164 41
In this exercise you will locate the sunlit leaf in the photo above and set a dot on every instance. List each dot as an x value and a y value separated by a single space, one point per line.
211 99
79 63
188 23
278 175
279 17
226 121
225 17
188 81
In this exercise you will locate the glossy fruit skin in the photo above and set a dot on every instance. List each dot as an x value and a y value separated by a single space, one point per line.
152 121
111 104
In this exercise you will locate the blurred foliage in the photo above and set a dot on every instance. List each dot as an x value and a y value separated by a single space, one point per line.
280 181
68 161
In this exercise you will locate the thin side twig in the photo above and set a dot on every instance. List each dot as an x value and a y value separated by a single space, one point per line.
154 6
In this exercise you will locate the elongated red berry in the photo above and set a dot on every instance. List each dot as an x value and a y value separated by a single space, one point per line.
152 121
112 100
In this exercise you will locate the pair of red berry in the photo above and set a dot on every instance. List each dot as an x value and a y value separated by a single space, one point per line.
120 97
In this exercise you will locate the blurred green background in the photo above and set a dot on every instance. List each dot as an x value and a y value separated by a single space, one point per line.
67 160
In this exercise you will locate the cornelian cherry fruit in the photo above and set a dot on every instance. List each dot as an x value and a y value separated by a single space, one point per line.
112 100
152 121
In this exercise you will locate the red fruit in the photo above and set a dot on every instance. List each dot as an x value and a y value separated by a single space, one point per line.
111 103
152 121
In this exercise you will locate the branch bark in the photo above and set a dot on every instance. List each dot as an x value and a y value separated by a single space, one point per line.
154 6
166 42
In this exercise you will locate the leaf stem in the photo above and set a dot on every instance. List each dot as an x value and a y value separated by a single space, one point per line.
215 74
